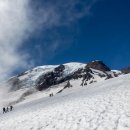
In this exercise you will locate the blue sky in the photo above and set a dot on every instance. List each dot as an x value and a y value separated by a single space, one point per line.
42 32
102 32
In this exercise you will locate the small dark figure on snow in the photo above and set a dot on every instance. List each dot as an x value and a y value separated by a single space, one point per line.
51 95
11 108
7 109
4 111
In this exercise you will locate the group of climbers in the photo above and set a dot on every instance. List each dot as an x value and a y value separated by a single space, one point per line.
5 110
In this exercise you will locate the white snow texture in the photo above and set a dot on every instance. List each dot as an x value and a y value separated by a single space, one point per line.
100 106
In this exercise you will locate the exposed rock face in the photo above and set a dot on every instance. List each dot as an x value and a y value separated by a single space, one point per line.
88 75
60 68
98 65
51 78
126 71
68 85
56 77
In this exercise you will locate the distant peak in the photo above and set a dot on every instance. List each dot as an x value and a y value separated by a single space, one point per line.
98 65
126 70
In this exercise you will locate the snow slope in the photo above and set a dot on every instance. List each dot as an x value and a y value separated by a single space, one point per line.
100 106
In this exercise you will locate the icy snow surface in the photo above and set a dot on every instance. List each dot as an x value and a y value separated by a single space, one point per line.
99 106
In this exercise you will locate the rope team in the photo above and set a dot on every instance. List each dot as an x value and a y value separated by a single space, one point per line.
5 110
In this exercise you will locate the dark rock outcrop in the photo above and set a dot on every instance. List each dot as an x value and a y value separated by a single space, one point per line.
98 65
68 85
51 78
57 76
60 68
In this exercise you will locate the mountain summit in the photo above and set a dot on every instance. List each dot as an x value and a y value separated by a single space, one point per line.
98 65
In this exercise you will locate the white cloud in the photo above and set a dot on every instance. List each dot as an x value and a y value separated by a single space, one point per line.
19 18
14 28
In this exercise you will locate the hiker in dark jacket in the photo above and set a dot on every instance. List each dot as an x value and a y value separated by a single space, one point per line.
4 111
7 109
11 108
51 95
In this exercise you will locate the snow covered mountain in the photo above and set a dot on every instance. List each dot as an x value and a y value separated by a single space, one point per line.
58 78
45 76
99 106
55 79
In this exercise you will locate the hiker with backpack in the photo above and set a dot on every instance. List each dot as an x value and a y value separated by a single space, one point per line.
11 108
4 110
7 109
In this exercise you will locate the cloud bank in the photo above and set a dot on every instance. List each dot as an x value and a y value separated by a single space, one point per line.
14 28
20 19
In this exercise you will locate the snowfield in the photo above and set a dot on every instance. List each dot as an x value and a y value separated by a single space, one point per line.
99 106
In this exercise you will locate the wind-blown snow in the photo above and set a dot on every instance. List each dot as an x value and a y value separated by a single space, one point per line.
100 106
